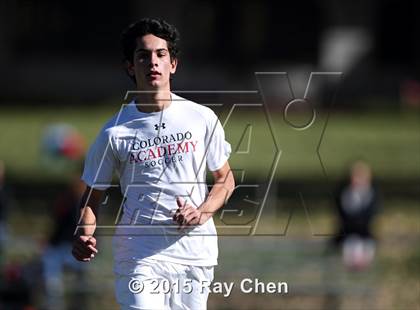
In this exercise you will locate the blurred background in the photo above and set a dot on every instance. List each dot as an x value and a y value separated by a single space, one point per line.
328 187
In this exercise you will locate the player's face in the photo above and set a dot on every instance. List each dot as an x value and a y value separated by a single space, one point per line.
152 64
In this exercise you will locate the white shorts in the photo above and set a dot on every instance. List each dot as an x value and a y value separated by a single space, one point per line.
153 284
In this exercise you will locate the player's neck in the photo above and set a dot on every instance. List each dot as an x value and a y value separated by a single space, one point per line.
153 101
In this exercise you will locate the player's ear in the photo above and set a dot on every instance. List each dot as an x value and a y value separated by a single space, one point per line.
174 64
129 66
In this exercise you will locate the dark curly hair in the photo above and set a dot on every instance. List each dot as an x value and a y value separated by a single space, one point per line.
157 27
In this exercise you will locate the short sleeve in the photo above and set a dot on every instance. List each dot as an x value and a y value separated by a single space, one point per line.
100 163
218 149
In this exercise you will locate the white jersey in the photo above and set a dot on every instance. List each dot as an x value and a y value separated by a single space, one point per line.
157 157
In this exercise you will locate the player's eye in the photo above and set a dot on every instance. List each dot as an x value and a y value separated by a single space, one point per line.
141 56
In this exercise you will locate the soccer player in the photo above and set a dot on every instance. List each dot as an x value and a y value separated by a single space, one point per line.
165 244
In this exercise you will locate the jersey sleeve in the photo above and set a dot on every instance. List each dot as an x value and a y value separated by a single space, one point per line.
218 149
100 163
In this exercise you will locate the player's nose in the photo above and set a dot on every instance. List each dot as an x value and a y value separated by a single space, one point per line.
154 60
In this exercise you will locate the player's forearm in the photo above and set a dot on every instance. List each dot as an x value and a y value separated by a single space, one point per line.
88 212
219 194
87 223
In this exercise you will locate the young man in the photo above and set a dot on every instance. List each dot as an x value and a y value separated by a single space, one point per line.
165 245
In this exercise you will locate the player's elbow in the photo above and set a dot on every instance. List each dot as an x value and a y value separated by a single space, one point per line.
230 184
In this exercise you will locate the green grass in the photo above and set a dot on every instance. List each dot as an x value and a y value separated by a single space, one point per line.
390 141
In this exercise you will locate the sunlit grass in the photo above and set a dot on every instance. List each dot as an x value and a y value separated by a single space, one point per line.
390 141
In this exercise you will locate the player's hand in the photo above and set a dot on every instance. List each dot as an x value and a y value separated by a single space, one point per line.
187 215
84 248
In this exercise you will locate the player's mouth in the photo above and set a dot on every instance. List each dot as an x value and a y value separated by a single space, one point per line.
153 74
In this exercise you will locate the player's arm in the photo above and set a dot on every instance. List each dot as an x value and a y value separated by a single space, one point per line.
84 244
224 184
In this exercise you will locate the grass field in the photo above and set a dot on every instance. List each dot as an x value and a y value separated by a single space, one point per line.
389 140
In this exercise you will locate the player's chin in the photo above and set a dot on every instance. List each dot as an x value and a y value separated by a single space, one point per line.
153 83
